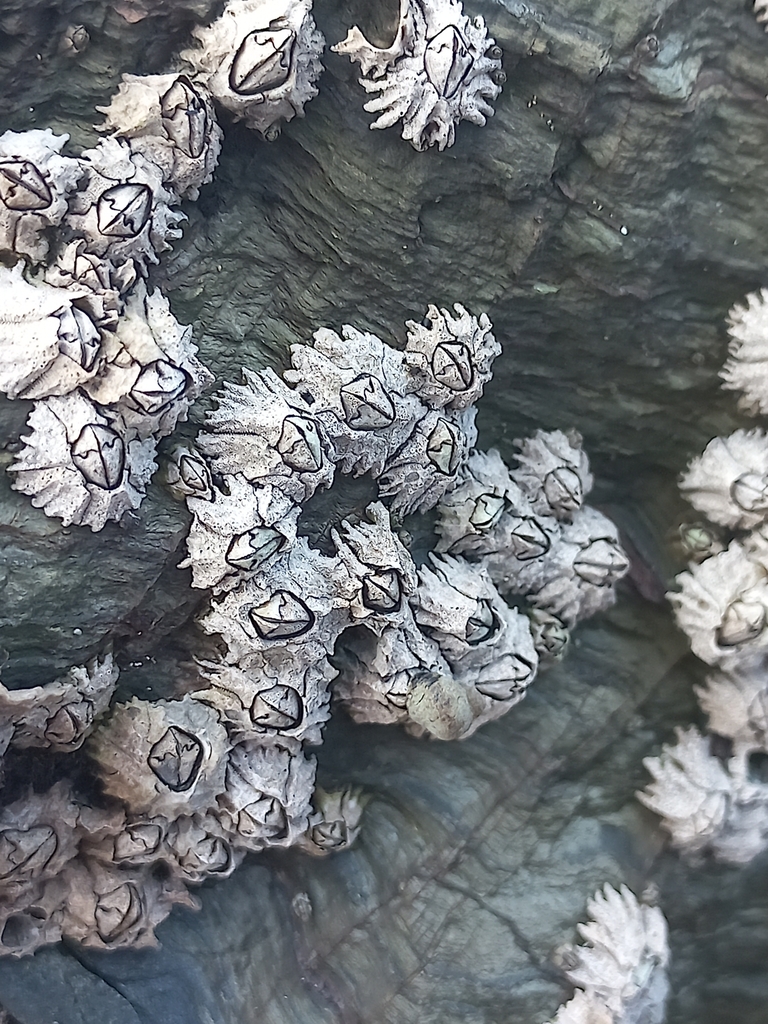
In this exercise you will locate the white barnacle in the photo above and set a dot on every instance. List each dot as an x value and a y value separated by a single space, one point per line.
722 606
761 12
334 824
728 482
746 369
79 464
123 210
186 474
442 68
270 434
35 182
358 388
234 535
49 345
170 121
162 758
260 60
736 703
428 464
450 357
61 714
268 791
553 472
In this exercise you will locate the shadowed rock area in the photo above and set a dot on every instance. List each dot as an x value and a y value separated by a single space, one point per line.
606 219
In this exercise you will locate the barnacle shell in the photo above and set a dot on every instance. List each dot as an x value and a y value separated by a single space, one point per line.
150 372
170 121
79 465
103 285
270 434
268 793
186 474
334 824
162 758
550 635
61 714
277 695
39 834
48 343
123 211
35 181
553 472
736 702
199 847
441 69
358 386
728 482
235 535
302 599
260 60
746 369
450 357
428 464
722 606
761 11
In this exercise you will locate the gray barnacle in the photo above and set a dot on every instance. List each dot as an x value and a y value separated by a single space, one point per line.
186 474
39 835
235 535
260 60
198 847
334 824
35 183
33 916
450 358
162 758
270 435
80 464
553 472
441 69
550 634
170 121
74 40
728 482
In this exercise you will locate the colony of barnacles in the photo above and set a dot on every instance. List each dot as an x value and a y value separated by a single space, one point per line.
709 789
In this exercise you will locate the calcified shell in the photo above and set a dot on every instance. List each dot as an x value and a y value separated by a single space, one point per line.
334 824
102 285
199 848
583 1009
186 474
234 536
621 967
691 791
761 11
80 465
301 599
48 343
550 635
553 472
268 793
450 357
123 211
358 388
279 694
722 606
441 69
162 758
61 714
35 181
33 917
270 434
150 372
170 121
428 464
736 702
260 60
728 482
383 571
746 369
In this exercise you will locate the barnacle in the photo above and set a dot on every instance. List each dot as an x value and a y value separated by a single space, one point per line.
442 68
186 474
736 703
553 472
746 369
103 285
35 182
80 464
550 634
728 482
334 823
198 847
761 11
260 60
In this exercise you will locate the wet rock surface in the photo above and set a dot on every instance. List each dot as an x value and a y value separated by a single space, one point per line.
606 218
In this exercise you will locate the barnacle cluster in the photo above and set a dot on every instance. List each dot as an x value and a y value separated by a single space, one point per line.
709 790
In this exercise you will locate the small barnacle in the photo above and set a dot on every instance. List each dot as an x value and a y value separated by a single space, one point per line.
268 791
79 465
123 211
746 369
260 60
186 474
198 847
450 357
270 435
722 606
170 121
74 40
103 286
553 472
358 386
551 636
418 475
35 182
33 916
162 758
697 541
235 535
728 482
442 68
334 824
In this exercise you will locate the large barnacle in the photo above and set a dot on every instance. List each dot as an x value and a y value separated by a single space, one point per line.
728 482
553 472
